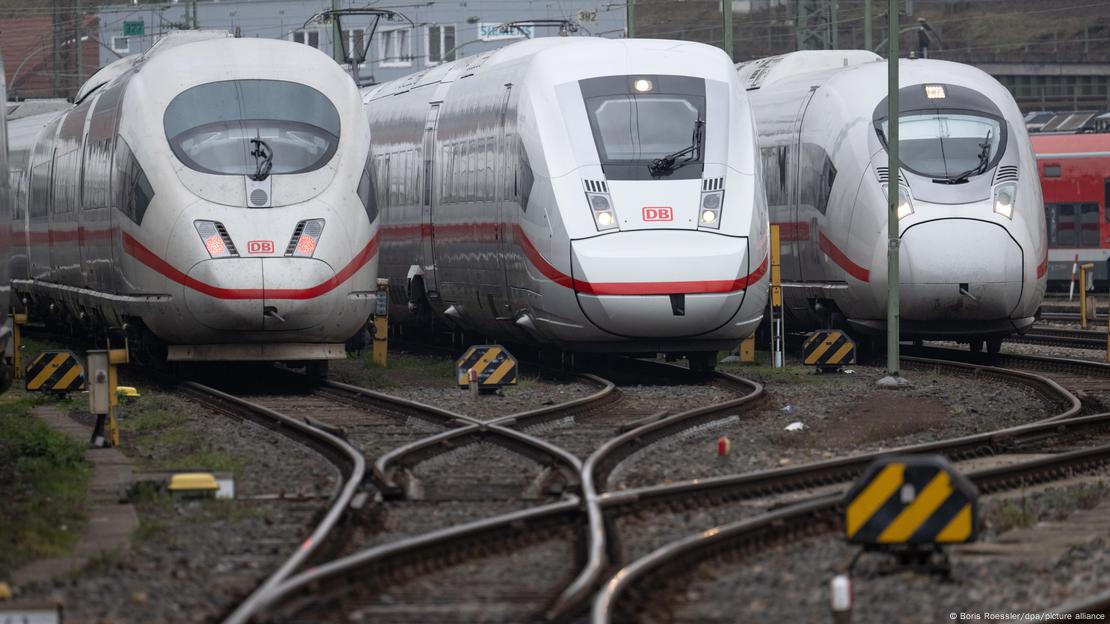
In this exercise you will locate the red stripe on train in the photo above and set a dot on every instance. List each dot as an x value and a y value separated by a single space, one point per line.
634 288
842 260
136 249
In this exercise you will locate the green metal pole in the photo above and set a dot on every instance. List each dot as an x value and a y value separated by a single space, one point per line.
631 27
868 41
833 26
336 35
893 163
726 8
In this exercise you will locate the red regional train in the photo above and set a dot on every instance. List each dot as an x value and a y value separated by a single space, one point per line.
1075 177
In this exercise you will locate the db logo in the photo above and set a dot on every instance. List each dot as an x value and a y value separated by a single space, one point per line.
260 247
658 213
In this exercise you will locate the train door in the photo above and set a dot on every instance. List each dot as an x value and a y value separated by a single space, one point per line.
803 236
506 209
428 201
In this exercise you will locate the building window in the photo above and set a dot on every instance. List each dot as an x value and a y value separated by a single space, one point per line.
441 43
396 47
121 44
309 37
356 42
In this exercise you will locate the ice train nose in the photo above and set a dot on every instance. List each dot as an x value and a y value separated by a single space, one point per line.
660 284
255 294
959 269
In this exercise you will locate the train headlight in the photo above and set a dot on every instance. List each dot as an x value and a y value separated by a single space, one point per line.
1004 199
710 213
905 202
602 208
215 238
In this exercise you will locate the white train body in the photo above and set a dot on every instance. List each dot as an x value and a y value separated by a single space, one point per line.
973 252
139 207
518 197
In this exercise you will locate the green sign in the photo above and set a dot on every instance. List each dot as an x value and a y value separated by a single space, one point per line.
134 29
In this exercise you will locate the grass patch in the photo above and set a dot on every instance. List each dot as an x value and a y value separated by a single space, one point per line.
1051 504
788 374
402 369
43 483
155 426
1012 516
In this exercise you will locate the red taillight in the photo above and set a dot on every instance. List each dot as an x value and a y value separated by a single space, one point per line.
215 239
305 237
306 246
215 245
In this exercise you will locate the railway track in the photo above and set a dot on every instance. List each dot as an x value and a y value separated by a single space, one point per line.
490 535
819 515
1059 337
789 503
1089 379
340 588
347 460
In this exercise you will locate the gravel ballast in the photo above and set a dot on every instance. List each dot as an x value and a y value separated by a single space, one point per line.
840 414
886 593
193 560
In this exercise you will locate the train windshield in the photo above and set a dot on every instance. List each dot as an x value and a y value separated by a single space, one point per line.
217 127
949 146
641 123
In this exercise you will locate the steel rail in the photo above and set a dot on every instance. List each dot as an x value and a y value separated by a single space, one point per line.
839 470
522 522
807 516
579 591
341 453
1070 338
600 463
498 430
1036 362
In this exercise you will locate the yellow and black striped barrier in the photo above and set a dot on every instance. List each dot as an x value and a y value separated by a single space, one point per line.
828 348
494 366
912 501
55 371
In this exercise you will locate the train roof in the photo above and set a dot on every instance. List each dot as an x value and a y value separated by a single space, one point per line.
767 71
1074 145
117 68
553 48
30 108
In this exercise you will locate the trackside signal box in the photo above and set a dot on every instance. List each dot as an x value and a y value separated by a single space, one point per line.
828 349
911 500
493 366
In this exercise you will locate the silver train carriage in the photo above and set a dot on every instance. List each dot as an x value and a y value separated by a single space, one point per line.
210 198
973 253
590 194
5 239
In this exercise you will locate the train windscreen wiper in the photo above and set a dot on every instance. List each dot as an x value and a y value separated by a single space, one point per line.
984 160
263 159
670 162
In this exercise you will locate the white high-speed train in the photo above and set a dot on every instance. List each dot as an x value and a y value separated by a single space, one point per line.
973 253
209 198
593 194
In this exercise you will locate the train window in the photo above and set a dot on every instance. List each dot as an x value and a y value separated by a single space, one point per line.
635 122
1072 225
525 178
210 127
366 194
133 192
947 145
1052 171
1106 199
